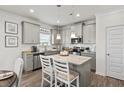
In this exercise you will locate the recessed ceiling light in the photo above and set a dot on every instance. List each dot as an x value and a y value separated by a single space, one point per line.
31 11
58 21
78 15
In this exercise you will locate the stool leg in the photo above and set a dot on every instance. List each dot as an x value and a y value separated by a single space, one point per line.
55 82
69 84
77 81
42 80
51 80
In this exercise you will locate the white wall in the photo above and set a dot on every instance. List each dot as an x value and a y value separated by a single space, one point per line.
102 21
9 55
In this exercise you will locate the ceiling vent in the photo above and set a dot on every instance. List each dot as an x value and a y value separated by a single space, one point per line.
58 5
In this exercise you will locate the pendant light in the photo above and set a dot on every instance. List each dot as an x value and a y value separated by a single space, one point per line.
58 37
72 30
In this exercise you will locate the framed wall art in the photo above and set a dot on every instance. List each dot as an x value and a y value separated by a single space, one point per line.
11 41
11 28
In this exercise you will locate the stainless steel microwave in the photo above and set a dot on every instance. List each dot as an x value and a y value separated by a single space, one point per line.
76 40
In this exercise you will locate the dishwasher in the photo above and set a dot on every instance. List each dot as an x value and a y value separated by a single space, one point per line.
36 61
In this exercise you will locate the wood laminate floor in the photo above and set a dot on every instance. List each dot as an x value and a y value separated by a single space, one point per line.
33 79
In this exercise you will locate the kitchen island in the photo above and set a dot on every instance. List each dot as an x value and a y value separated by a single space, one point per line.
81 64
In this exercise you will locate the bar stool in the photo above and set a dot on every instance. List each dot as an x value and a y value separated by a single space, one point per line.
47 70
63 74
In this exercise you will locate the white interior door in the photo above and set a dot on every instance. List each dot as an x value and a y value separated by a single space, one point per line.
115 52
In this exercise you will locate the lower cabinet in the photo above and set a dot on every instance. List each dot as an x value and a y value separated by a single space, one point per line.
31 61
92 61
28 61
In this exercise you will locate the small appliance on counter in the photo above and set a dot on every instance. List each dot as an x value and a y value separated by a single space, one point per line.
34 49
82 49
76 51
87 49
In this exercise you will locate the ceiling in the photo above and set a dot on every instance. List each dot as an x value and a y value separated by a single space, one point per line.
51 13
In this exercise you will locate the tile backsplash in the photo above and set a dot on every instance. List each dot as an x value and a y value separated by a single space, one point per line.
91 46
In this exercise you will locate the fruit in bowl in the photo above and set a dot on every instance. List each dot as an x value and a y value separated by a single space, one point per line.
64 53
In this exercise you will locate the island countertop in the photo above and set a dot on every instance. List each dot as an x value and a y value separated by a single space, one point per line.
73 59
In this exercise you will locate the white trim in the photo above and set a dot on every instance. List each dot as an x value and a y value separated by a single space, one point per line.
99 73
109 13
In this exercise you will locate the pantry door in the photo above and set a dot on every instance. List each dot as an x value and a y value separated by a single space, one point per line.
115 52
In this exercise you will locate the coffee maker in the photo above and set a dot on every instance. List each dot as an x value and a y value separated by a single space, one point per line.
34 49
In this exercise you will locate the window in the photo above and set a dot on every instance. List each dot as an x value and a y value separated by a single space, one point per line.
45 36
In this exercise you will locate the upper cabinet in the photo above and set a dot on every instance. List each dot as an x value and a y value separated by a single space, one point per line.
63 34
68 30
66 35
77 29
54 39
89 34
30 33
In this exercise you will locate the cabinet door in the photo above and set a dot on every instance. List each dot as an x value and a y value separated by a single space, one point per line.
89 34
68 36
35 34
54 35
31 33
63 34
93 34
27 34
29 62
77 29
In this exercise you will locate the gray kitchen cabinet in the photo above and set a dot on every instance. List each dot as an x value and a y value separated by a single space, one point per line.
63 36
28 61
92 61
64 40
89 34
68 37
87 31
67 31
53 36
77 29
30 33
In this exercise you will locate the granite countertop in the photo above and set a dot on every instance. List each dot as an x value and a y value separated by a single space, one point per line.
90 52
73 59
29 52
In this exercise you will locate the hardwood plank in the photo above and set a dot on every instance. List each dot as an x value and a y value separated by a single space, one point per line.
33 79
